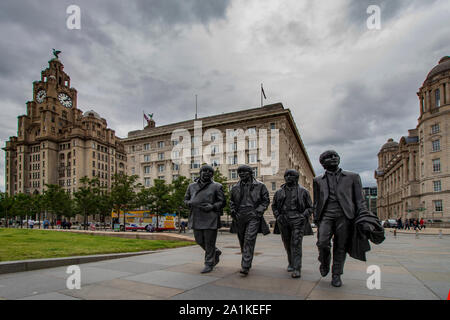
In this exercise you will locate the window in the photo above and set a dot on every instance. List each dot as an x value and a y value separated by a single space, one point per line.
252 144
215 162
437 186
147 182
252 131
252 158
195 164
160 144
436 165
146 146
438 98
232 160
435 128
232 174
255 172
274 186
194 152
195 139
161 168
146 158
161 156
161 177
436 145
438 205
175 154
175 167
272 125
214 149
133 171
232 146
175 142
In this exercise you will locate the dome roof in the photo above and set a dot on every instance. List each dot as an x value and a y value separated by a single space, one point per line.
390 144
92 113
444 65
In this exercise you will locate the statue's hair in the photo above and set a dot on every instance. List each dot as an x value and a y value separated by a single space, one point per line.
245 167
295 172
207 167
325 154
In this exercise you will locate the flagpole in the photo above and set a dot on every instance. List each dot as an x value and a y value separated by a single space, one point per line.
261 95
143 123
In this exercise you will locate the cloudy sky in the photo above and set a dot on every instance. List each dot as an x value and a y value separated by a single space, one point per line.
349 88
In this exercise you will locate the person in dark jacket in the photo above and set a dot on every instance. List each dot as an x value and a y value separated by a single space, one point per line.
248 201
206 200
292 207
338 199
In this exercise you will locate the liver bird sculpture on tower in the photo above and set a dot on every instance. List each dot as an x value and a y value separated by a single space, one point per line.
56 52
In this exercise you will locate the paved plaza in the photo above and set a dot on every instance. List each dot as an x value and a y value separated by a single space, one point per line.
411 268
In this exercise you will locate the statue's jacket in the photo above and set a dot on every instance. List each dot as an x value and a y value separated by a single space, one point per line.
304 205
260 198
365 225
349 193
198 193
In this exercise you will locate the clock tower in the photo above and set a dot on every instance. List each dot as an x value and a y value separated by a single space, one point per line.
56 143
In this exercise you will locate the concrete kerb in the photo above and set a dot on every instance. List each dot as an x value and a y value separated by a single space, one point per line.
35 264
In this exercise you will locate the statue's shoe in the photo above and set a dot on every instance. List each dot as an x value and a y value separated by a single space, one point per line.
217 259
244 271
336 280
296 274
324 269
207 269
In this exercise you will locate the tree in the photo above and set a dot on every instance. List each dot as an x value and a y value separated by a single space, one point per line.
157 199
123 194
56 201
220 178
22 206
87 197
6 203
179 187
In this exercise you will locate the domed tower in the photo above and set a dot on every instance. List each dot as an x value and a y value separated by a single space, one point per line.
434 144
387 152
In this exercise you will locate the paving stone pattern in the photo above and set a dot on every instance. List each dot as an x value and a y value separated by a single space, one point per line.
411 268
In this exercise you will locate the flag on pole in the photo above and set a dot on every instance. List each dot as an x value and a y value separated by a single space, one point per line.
146 118
262 91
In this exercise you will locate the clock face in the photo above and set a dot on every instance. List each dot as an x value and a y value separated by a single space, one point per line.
40 96
65 100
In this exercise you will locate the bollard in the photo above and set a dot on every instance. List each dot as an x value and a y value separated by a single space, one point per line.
395 233
417 234
440 233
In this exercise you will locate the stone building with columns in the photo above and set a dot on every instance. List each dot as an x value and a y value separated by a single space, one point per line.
57 143
214 140
413 175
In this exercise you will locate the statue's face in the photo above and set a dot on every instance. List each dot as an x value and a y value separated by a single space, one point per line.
244 175
206 175
291 178
331 161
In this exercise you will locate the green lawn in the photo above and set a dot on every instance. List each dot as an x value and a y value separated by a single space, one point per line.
22 244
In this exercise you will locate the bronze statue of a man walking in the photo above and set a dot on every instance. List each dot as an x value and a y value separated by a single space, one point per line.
292 207
338 200
249 199
206 200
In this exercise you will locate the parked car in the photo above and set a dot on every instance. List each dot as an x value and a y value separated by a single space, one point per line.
389 223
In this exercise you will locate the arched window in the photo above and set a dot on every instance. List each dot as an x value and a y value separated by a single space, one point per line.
438 98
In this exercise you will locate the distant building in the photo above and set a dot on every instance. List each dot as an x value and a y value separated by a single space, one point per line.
413 175
150 152
370 195
56 143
